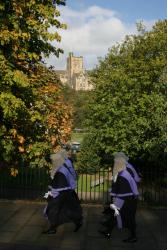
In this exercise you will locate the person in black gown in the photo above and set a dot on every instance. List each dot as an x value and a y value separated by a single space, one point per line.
133 170
63 203
124 195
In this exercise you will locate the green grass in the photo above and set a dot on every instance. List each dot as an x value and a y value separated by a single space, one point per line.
84 184
77 137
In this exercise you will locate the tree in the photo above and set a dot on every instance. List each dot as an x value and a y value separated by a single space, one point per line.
88 158
129 105
53 127
79 100
24 40
53 106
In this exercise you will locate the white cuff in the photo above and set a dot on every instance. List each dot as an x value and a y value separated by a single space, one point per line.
47 194
112 206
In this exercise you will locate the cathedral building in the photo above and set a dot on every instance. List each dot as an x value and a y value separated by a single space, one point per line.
75 75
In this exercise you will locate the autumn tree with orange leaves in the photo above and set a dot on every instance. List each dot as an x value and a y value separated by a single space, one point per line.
32 111
56 111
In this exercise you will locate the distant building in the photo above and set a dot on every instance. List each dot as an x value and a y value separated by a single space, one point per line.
75 75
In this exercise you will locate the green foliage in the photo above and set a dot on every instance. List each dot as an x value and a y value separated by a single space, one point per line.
24 38
79 101
129 105
88 158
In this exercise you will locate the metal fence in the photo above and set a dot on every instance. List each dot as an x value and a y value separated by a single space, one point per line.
29 183
153 188
92 187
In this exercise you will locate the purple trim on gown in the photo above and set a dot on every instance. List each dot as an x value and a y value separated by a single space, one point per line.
69 174
119 203
136 176
119 221
131 181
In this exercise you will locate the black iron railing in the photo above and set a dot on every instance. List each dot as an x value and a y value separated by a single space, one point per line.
92 187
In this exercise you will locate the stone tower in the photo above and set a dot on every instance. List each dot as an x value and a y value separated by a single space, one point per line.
75 75
74 67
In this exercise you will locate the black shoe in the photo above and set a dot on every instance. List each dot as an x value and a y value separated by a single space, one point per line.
49 231
130 240
106 234
77 227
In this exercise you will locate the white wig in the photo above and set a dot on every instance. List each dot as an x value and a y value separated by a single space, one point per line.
119 164
57 160
64 154
121 155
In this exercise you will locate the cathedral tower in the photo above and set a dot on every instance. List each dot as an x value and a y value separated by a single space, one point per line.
74 68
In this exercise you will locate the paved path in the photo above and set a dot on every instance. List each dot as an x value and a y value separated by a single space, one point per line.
21 225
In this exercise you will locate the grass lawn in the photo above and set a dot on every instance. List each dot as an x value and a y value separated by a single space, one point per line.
85 182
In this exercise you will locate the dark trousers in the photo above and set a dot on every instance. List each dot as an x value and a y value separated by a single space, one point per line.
127 212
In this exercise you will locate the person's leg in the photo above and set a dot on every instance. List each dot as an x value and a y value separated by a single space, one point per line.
52 212
74 210
77 217
132 238
132 223
109 225
52 228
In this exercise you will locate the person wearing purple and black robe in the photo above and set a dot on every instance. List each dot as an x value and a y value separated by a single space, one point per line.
124 194
66 154
63 204
134 172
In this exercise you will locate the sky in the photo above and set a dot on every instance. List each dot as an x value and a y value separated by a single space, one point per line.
94 26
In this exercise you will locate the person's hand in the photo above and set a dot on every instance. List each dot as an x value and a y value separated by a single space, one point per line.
116 209
47 194
116 212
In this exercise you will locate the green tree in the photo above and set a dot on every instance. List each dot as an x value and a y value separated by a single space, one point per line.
88 158
79 100
24 39
129 105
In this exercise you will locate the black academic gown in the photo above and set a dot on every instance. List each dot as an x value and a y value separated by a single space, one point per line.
123 191
124 196
65 207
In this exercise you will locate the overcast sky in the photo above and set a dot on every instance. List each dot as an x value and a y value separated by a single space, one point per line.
94 26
